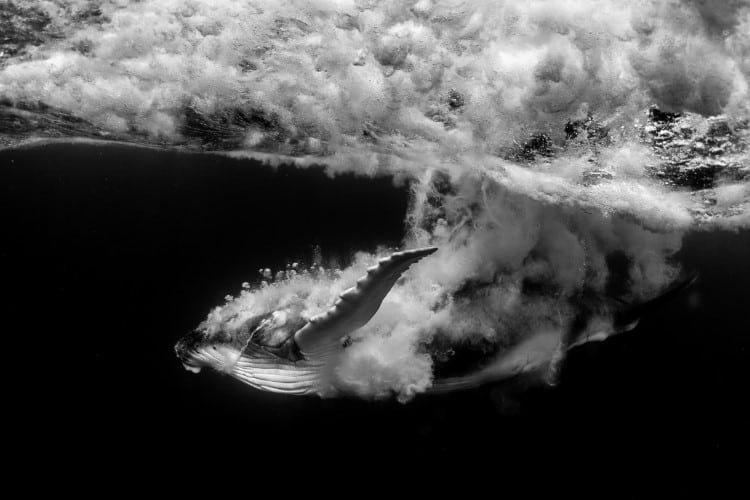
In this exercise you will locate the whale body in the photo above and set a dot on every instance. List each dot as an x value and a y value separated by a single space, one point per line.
283 352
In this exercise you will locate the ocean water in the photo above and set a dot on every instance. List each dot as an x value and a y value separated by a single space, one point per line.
113 252
565 157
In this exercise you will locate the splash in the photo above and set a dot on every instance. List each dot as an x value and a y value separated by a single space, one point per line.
557 151
391 88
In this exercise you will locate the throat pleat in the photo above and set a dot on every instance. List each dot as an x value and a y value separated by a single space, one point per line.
279 376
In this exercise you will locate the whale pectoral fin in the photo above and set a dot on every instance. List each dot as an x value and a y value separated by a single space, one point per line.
358 304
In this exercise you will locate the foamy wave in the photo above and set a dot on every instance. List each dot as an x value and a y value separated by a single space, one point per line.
385 87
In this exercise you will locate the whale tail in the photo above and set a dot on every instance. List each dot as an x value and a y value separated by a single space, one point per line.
635 312
625 316
541 353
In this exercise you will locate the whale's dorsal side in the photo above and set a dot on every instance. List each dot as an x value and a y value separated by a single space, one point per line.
358 304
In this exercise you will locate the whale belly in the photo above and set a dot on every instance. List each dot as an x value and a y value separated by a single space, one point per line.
298 378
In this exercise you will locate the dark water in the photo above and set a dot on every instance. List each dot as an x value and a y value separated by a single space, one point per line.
112 253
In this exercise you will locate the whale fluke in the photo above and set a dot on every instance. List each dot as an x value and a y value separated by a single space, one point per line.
625 317
541 353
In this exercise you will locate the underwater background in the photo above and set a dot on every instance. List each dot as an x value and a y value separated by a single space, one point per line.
114 252
159 159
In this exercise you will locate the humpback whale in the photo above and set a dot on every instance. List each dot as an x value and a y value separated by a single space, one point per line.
291 355
283 352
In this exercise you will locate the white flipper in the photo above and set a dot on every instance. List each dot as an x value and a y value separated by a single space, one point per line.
358 304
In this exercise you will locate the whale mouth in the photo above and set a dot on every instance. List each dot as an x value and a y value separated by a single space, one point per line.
186 351
195 351
188 359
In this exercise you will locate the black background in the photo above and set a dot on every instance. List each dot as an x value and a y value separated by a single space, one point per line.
112 253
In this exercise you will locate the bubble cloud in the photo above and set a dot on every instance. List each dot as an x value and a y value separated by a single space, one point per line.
556 151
